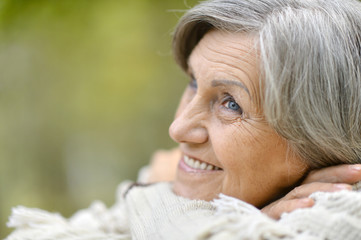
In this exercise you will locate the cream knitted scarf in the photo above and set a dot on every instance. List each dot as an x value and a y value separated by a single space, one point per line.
155 212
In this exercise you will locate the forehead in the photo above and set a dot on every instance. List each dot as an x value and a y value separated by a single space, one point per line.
226 55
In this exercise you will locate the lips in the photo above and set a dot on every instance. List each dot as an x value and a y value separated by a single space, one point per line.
199 165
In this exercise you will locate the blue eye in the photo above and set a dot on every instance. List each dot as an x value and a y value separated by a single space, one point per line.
193 83
233 105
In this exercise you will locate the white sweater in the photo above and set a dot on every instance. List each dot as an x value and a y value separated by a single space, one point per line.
155 212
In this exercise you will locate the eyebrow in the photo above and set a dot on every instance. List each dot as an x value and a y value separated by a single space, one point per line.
216 83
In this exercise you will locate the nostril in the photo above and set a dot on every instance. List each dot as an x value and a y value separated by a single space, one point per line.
187 133
197 135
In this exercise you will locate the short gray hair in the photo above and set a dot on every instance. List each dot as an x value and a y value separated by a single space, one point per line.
310 54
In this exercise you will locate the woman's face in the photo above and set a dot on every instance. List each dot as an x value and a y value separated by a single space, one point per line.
227 146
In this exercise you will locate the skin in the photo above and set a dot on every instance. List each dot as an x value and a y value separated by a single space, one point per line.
218 123
164 164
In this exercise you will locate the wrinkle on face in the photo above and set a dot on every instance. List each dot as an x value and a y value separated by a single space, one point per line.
254 158
245 57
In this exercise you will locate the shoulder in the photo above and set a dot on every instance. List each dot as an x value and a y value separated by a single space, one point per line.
155 212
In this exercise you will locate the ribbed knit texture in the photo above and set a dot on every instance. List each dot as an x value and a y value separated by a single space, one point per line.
155 212
163 215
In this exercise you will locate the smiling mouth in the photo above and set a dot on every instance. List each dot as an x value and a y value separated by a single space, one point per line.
195 164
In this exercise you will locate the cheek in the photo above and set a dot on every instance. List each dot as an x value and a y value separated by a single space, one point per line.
256 164
249 151
234 144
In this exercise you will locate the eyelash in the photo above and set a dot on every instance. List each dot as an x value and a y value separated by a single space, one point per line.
227 99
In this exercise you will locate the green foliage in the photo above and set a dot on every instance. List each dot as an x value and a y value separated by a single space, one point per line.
87 91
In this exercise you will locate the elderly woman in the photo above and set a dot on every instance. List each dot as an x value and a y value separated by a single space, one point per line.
274 93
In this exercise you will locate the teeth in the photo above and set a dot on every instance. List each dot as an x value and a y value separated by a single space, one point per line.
199 165
196 164
191 161
209 167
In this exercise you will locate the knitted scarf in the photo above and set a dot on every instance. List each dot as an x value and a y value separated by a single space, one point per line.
155 212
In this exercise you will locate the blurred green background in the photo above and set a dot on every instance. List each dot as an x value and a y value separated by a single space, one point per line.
88 89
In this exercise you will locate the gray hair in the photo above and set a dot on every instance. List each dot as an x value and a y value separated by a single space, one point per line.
310 54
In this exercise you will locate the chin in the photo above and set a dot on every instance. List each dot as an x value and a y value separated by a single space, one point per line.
195 183
194 193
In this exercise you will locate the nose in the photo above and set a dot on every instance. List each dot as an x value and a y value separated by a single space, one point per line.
189 125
